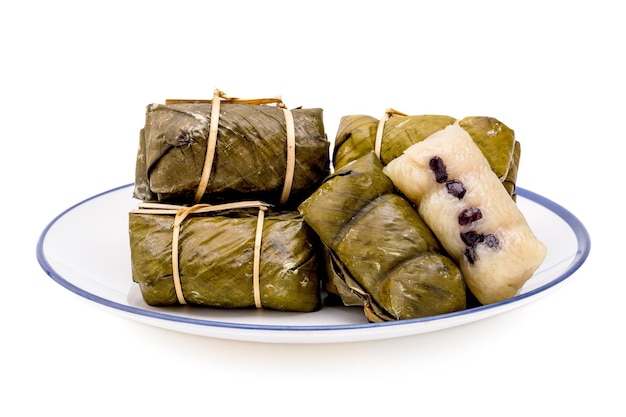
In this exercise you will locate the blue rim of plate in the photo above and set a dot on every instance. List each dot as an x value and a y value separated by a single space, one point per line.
581 233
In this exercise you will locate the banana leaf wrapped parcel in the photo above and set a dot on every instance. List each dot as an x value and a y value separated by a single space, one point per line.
230 149
382 255
390 136
225 256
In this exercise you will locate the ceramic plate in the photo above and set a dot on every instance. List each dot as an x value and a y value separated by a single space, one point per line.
86 250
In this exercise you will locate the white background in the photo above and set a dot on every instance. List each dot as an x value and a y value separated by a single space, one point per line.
75 80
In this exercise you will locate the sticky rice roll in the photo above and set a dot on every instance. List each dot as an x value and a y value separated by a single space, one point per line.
466 206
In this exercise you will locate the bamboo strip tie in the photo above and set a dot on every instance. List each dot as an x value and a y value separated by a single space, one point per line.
381 127
256 265
291 155
211 145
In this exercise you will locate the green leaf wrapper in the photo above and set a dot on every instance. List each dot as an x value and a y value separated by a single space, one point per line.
356 136
216 260
250 157
382 256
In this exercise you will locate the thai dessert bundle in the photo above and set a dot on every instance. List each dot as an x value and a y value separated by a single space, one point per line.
244 203
226 255
229 149
381 250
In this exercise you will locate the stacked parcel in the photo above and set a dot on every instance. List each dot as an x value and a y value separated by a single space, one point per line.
191 244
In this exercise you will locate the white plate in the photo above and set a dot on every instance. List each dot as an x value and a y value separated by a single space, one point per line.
86 250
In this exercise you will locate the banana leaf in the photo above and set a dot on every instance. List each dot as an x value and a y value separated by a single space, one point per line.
216 260
498 145
382 255
356 136
249 160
